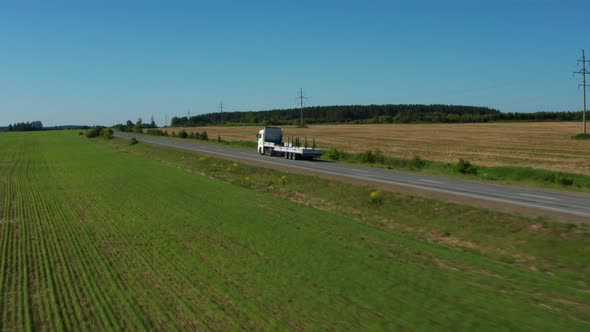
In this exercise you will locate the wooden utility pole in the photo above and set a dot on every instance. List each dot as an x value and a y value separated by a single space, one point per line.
583 72
221 113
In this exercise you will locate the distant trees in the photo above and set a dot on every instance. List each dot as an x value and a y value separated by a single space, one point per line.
372 114
26 126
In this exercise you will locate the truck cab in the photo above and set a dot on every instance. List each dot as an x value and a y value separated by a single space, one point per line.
268 138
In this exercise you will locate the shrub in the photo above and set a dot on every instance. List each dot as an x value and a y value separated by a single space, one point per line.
137 128
204 136
247 181
561 179
155 132
371 157
80 134
375 197
191 135
581 136
106 133
182 134
283 180
417 163
133 141
218 139
465 167
94 131
336 154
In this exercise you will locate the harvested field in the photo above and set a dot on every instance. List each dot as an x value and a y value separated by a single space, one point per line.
545 145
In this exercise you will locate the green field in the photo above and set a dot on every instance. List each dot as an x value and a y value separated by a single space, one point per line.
101 235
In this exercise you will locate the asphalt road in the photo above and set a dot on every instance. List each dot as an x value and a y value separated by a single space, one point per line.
548 200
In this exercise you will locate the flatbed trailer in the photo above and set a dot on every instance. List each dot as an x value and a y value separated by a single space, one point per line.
270 143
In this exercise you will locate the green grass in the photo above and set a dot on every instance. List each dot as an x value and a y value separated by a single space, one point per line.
581 136
103 235
524 176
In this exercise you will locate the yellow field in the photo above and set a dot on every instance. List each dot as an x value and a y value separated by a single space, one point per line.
535 144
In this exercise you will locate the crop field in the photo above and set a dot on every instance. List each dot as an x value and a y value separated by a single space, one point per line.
545 145
103 235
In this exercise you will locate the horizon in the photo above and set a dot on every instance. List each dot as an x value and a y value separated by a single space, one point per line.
82 64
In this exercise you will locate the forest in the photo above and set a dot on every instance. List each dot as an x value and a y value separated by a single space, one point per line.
370 114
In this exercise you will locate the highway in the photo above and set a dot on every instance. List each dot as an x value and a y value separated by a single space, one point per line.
540 199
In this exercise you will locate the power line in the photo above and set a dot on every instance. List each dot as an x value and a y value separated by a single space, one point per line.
583 72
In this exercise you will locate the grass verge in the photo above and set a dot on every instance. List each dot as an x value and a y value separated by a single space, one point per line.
514 175
464 169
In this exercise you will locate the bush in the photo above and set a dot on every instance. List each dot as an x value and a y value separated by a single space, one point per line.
122 127
581 136
375 197
465 167
336 154
80 134
283 180
371 157
204 136
133 141
107 133
182 134
417 163
218 139
561 179
155 132
94 131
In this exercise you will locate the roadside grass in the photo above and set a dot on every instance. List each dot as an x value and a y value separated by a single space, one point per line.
101 234
502 174
511 238
525 176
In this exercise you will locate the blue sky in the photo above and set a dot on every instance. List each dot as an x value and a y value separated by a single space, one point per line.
104 62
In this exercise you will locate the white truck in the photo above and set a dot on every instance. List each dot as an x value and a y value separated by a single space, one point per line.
270 143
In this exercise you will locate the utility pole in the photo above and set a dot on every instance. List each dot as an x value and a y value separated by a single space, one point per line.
583 72
221 113
301 103
166 123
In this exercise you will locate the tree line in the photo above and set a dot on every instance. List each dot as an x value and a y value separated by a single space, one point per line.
26 126
136 127
370 114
